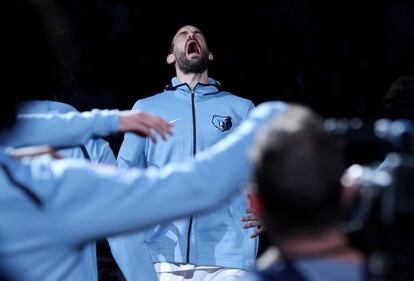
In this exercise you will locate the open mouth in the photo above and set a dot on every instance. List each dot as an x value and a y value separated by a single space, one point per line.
193 48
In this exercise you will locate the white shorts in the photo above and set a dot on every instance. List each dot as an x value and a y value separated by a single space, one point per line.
186 272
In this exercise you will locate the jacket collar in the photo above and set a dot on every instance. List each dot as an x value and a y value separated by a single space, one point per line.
201 91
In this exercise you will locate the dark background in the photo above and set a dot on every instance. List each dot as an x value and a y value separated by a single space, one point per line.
338 57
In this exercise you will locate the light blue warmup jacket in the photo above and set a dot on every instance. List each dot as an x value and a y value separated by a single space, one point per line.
217 238
61 130
51 209
96 150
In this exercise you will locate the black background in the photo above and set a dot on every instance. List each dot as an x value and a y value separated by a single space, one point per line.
338 57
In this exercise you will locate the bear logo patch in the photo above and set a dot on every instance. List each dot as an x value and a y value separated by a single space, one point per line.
223 123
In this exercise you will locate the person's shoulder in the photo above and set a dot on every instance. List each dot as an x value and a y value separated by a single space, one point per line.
152 99
61 107
149 101
236 98
43 106
97 143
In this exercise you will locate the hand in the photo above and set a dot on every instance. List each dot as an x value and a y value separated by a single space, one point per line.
34 151
141 123
253 221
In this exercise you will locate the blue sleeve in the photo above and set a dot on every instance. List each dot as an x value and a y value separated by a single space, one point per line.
100 151
131 251
249 107
65 129
132 255
132 150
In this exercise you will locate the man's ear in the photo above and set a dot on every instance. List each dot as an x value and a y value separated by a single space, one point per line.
170 59
210 56
255 202
350 181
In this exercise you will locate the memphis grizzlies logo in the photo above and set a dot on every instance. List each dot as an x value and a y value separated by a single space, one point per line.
223 123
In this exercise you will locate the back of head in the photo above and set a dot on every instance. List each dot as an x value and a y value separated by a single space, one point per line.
298 166
398 102
27 57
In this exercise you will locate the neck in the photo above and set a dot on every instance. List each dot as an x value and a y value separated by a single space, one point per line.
192 79
332 243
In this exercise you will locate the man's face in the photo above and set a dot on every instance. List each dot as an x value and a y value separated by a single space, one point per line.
190 50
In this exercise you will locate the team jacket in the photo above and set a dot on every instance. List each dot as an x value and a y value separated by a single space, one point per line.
95 150
201 118
61 130
49 210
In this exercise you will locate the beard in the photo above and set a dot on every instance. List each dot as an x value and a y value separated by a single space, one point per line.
193 66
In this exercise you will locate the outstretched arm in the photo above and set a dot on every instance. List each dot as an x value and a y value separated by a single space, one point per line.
74 128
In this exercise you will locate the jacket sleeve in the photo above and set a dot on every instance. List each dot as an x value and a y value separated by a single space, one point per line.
249 107
132 150
100 151
131 251
132 255
65 129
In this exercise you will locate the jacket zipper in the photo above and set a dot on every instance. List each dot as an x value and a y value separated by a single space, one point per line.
187 259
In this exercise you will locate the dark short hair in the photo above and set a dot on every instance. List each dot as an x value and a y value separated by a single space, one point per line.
298 166
398 102
179 24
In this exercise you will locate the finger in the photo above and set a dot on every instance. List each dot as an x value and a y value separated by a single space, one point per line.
152 137
259 230
249 211
149 125
167 127
162 134
250 224
163 127
159 125
147 132
249 218
246 225
170 132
